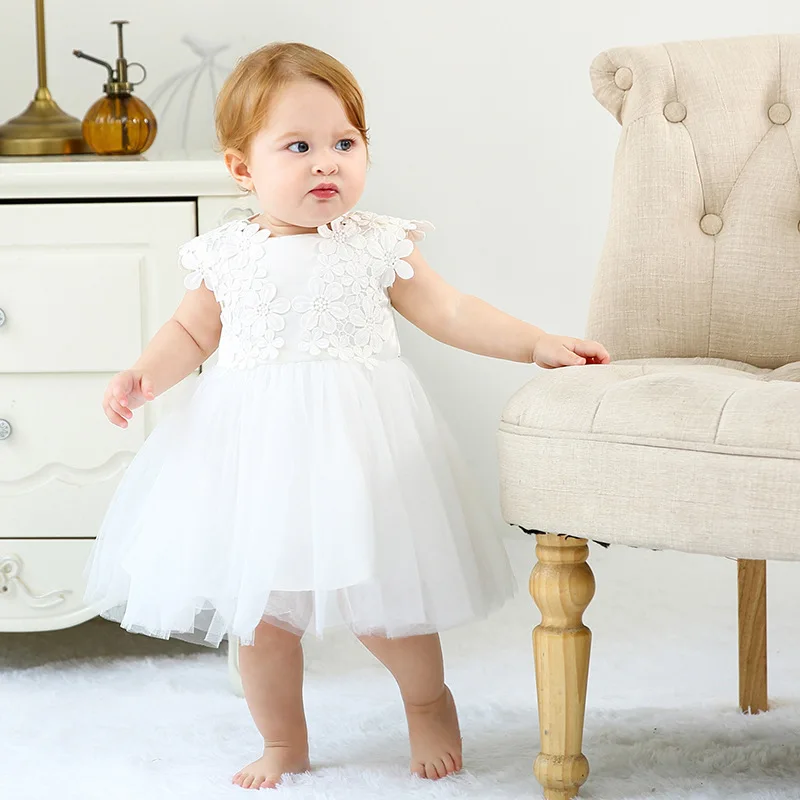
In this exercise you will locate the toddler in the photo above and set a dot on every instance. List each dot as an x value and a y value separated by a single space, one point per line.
307 481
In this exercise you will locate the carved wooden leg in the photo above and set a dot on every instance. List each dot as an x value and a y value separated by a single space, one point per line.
752 636
562 585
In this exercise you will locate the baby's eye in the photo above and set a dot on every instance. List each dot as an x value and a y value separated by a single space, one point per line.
301 147
346 144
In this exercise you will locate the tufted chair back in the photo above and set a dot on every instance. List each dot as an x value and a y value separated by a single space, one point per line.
702 255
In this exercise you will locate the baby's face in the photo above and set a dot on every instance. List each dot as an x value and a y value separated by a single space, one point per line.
309 163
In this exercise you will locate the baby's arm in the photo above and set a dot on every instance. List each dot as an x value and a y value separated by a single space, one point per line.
471 324
184 342
179 347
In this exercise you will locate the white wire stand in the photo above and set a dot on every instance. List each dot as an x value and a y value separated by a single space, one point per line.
178 96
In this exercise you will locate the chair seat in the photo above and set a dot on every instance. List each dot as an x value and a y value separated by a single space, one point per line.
699 455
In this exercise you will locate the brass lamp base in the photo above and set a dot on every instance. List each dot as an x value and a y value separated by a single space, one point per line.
43 129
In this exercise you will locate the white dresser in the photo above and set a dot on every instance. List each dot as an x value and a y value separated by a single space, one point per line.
88 273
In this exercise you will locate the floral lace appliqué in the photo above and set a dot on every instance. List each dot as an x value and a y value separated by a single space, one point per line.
345 310
360 255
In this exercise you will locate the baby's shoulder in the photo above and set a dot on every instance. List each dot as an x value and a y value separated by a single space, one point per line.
208 243
369 223
208 256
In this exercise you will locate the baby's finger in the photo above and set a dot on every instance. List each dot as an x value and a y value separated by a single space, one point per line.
592 350
148 390
114 417
120 395
571 358
125 413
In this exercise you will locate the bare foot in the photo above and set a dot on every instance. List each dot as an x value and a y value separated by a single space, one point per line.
435 737
266 772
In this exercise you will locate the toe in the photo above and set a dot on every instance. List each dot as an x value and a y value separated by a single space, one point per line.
257 782
418 770
441 768
449 764
247 782
430 771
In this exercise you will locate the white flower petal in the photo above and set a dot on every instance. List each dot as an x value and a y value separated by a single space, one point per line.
328 247
258 327
310 319
388 278
193 280
404 248
270 290
275 322
404 269
327 322
280 306
333 291
338 310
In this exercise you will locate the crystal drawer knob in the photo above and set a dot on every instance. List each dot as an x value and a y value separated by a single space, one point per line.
5 429
2 317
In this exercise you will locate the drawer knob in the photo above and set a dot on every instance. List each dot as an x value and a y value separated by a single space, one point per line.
2 317
5 429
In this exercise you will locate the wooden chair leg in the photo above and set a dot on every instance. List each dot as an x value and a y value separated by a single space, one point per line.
752 636
562 586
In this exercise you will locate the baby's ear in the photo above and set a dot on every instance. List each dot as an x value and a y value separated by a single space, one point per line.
237 166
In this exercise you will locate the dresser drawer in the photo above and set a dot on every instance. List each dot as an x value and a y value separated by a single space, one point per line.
57 423
41 584
84 286
63 459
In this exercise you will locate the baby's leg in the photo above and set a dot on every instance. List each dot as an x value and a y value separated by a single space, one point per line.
272 676
416 663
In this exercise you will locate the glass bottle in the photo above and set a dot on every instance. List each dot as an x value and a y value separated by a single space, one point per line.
118 124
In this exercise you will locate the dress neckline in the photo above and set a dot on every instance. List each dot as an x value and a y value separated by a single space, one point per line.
251 221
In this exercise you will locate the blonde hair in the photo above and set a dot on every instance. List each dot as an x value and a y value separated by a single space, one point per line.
244 100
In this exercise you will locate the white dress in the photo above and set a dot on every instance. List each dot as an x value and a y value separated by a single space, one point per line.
306 479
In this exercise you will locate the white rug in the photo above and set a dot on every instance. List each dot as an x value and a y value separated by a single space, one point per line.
93 712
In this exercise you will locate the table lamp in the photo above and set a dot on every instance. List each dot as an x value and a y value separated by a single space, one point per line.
43 129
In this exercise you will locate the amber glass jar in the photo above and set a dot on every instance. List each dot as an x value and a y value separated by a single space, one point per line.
119 125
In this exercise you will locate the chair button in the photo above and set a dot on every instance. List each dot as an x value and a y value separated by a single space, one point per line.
675 111
623 78
711 224
779 113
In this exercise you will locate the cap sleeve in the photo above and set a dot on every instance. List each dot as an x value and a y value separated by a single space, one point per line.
390 240
416 228
197 258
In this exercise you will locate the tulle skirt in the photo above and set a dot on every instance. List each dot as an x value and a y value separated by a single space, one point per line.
308 494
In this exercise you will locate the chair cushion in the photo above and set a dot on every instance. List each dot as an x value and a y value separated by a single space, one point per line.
697 454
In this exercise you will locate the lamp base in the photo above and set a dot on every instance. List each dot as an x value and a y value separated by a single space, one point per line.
43 129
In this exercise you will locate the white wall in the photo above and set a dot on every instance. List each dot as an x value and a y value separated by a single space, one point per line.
482 120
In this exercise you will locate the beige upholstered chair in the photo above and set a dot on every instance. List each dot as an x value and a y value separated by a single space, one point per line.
690 439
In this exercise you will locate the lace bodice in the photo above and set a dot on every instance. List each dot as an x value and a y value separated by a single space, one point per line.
305 297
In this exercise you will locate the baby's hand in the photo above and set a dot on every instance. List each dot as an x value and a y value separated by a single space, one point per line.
563 351
126 391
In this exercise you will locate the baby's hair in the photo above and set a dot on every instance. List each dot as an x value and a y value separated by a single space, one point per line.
244 99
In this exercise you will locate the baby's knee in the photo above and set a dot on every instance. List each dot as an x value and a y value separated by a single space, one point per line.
274 636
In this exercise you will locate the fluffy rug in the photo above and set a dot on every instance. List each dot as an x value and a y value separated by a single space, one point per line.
93 712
